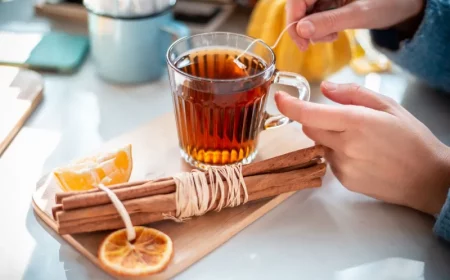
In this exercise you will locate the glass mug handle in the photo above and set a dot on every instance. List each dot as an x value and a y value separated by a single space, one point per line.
289 79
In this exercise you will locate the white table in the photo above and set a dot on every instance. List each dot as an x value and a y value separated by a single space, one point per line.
328 233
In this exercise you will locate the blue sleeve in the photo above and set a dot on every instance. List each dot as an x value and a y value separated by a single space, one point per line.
427 54
442 226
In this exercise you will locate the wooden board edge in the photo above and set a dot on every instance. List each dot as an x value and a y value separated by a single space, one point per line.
20 123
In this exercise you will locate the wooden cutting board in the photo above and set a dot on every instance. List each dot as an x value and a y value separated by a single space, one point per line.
156 154
20 93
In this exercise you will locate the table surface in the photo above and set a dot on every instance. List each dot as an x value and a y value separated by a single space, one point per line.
328 233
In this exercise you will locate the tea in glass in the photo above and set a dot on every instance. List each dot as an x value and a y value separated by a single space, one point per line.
220 104
220 127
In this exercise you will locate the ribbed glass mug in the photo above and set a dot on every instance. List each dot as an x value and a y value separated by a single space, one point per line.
220 104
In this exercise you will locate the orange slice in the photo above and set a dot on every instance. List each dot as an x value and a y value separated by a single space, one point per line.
104 168
149 253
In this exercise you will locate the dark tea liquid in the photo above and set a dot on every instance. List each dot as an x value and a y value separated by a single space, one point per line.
219 120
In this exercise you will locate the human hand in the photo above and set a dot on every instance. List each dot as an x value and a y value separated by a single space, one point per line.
362 14
375 147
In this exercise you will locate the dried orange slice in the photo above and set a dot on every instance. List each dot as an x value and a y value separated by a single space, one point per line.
104 168
149 253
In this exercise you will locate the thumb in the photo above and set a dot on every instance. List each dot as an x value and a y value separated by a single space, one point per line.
353 94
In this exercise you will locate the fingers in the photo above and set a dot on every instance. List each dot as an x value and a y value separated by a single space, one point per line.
327 117
330 139
327 39
296 10
353 94
359 14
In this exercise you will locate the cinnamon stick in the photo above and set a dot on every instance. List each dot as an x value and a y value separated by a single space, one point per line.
87 219
115 222
99 198
108 224
298 159
60 196
56 209
274 191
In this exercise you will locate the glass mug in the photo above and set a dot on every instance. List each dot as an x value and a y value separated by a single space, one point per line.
219 105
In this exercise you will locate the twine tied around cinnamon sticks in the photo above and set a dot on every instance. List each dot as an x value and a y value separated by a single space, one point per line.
194 196
156 200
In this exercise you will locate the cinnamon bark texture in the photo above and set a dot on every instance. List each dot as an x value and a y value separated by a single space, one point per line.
150 201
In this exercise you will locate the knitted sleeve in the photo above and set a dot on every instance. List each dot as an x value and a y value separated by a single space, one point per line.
427 54
442 226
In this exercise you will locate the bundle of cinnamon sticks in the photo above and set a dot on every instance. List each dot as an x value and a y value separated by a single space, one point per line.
150 201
